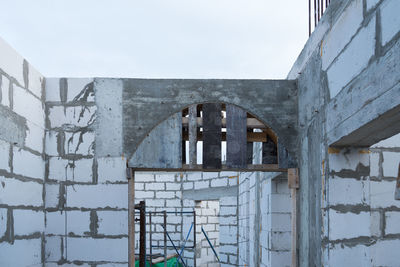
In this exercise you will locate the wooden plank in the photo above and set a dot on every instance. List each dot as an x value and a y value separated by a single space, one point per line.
251 122
293 178
162 148
285 161
199 167
236 137
397 190
269 152
192 135
212 136
251 137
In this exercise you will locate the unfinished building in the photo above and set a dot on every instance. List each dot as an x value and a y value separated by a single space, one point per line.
296 172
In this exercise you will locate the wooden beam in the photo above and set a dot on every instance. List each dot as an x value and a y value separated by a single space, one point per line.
251 137
269 152
212 136
199 167
236 137
251 123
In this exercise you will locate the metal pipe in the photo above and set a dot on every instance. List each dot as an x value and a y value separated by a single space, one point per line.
315 13
131 216
184 243
309 17
173 245
209 242
151 240
165 239
194 238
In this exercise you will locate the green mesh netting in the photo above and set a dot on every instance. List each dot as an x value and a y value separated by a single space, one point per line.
170 263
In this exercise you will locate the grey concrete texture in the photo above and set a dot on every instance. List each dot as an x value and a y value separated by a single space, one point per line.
146 103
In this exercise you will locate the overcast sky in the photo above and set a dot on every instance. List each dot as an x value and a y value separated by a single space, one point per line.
157 38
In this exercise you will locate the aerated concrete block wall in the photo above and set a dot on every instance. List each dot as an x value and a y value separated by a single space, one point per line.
348 88
22 161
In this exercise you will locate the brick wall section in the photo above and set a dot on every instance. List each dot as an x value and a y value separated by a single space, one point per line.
22 161
86 197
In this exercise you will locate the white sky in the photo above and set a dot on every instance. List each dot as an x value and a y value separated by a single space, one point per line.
157 38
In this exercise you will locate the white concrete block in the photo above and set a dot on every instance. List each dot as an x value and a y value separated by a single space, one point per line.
165 194
157 203
201 184
390 142
383 253
34 137
227 211
53 248
28 106
111 169
52 89
281 240
348 225
52 195
217 182
188 185
173 186
144 177
342 31
79 143
227 201
210 175
382 194
375 223
165 177
374 164
144 194
17 193
77 171
3 221
35 81
357 256
78 222
98 196
280 203
35 219
390 20
352 60
194 176
155 186
4 155
280 222
76 116
113 222
348 159
347 191
392 222
76 88
390 164
55 223
5 90
26 252
51 143
89 249
280 258
173 203
28 164
11 62
58 168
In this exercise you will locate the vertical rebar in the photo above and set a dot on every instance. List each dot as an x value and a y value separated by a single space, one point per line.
194 238
142 258
165 238
151 241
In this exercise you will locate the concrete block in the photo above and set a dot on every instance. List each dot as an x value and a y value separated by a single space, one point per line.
89 249
76 89
382 253
280 240
342 31
27 164
11 62
348 225
139 186
28 106
78 222
217 182
357 256
280 203
55 223
35 81
227 201
98 196
390 21
201 184
76 171
157 203
35 225
348 191
81 143
391 142
17 193
232 181
390 164
227 211
53 248
3 221
34 137
165 177
173 186
375 223
165 194
51 145
382 194
210 175
144 177
5 88
374 164
188 185
347 159
4 155
52 195
280 258
71 116
280 222
155 186
26 252
352 60
113 222
173 203
111 169
392 222
58 168
144 194
52 90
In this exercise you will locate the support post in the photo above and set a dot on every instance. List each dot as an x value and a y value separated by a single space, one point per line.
192 135
165 238
142 251
131 216
151 241
194 238
293 183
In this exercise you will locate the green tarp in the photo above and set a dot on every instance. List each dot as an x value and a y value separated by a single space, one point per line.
170 263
